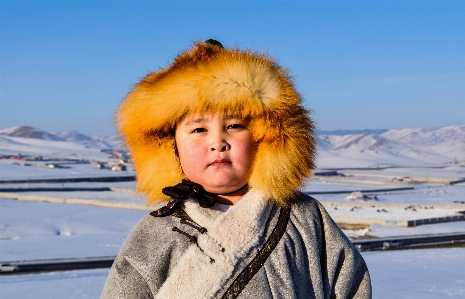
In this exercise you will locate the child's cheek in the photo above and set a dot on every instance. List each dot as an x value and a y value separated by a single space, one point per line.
193 162
246 153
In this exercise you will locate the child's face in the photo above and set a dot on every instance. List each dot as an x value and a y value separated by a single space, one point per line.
216 151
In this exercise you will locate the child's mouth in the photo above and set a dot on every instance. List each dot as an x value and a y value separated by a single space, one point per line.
220 162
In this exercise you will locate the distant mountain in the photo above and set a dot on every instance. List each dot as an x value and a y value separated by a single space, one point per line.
398 147
347 132
29 132
91 141
428 136
73 136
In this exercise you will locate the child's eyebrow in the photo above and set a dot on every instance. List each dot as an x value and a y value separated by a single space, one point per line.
195 121
229 117
199 120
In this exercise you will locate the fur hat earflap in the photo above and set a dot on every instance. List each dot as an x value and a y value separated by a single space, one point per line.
212 79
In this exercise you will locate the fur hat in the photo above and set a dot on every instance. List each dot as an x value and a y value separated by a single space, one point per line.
210 79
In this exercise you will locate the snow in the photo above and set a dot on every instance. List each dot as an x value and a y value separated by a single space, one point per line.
32 230
29 132
421 195
9 171
67 284
453 172
383 231
71 137
105 196
391 214
33 146
408 147
424 273
427 136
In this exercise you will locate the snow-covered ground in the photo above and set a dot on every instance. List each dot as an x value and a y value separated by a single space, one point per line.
37 230
424 273
11 171
69 284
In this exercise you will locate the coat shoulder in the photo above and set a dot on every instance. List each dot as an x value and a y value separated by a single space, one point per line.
154 233
146 259
304 206
311 210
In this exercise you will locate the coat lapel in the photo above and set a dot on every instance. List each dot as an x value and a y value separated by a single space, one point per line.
205 267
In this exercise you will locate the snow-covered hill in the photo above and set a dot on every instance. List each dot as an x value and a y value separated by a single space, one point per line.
73 137
429 137
91 141
30 132
403 147
407 147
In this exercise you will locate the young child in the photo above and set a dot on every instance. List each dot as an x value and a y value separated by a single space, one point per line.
221 135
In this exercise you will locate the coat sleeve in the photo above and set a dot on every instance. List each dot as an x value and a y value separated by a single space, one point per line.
145 260
346 274
124 281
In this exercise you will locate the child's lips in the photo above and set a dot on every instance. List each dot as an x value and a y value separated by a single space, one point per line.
220 162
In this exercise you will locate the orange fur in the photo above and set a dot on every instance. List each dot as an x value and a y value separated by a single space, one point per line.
212 79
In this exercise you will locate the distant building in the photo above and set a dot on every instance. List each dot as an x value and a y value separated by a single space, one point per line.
107 150
56 165
16 158
101 166
120 154
119 167
326 173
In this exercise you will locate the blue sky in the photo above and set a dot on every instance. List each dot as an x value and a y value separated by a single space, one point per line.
66 65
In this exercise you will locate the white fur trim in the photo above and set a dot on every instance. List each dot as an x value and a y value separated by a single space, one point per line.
236 230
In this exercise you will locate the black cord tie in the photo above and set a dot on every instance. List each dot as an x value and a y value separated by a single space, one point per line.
191 238
181 192
202 230
185 190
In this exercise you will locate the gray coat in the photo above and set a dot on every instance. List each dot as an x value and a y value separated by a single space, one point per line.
312 259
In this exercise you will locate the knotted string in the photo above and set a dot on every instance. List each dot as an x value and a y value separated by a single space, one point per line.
181 192
185 190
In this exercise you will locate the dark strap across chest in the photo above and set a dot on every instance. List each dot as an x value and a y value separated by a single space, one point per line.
259 260
252 268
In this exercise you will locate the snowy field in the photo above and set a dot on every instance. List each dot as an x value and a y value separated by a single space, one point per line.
10 171
32 228
36 230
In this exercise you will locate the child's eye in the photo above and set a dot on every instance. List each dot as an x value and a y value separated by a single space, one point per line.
198 130
235 127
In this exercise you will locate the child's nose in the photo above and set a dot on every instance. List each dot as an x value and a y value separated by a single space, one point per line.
221 146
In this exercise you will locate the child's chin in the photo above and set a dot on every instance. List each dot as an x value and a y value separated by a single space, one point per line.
222 188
